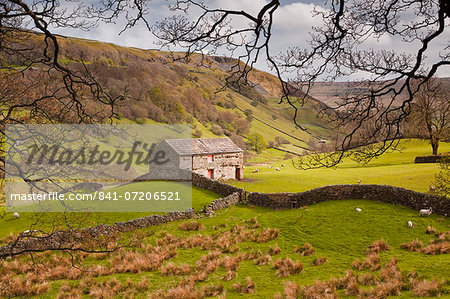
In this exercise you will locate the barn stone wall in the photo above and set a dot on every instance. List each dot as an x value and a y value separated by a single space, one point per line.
224 165
388 194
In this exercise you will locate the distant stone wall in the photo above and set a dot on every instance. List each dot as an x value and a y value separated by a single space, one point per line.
388 194
224 202
215 186
427 159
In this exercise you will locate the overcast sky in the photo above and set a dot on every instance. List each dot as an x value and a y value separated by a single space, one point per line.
292 22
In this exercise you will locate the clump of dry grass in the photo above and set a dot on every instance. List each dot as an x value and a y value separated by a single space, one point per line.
319 261
266 235
254 254
246 288
286 267
368 279
377 246
212 290
182 291
391 272
274 250
231 263
320 289
142 285
305 250
66 292
229 275
263 260
425 288
372 262
350 284
437 248
291 290
387 288
414 245
106 289
174 270
191 226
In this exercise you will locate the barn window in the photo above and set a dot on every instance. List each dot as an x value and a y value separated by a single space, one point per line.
210 158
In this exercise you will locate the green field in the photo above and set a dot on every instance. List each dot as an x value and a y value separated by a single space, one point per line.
46 221
237 238
334 229
395 168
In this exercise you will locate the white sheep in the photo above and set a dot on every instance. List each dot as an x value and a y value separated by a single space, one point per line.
16 215
358 210
271 166
410 224
282 165
427 212
277 169
255 170
359 181
433 189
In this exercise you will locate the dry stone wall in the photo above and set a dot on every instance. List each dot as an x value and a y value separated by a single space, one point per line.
388 194
71 238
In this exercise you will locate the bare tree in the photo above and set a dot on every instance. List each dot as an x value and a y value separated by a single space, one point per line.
36 87
336 50
430 114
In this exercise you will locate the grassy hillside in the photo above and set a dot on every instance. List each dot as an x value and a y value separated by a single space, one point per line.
162 87
333 229
395 168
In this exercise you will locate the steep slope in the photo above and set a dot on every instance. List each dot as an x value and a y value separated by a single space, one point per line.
162 87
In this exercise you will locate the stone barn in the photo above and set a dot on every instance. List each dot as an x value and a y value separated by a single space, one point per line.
215 158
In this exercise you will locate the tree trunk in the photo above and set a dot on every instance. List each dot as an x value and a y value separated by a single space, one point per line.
435 145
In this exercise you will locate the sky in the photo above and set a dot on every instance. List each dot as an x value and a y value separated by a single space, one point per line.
293 21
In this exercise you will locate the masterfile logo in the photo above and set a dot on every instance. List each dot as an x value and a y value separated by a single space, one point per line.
110 168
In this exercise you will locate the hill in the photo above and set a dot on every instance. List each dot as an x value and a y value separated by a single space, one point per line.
162 87
330 92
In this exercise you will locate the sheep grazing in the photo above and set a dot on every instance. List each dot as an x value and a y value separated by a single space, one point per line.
424 212
433 189
270 166
277 169
358 210
410 224
282 165
16 215
359 181
255 170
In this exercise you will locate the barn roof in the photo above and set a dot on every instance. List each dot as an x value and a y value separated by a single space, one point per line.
203 146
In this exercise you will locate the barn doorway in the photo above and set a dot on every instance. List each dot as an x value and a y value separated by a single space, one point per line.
211 173
238 173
